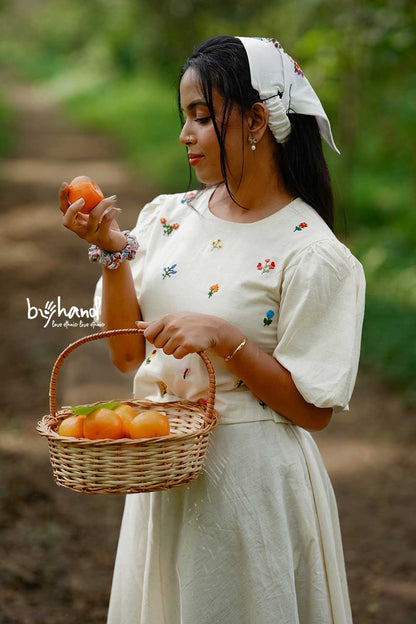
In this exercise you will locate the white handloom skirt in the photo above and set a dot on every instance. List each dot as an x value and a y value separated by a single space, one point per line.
254 540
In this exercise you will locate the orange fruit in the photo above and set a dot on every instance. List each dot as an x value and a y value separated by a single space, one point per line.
103 423
148 424
83 186
72 426
126 413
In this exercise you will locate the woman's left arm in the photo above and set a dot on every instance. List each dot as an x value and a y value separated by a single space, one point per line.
272 383
185 332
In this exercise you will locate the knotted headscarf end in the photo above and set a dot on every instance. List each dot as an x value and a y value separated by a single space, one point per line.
283 88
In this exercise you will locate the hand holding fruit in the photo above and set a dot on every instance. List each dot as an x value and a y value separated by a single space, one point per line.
89 215
84 188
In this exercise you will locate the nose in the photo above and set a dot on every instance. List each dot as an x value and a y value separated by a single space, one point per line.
185 137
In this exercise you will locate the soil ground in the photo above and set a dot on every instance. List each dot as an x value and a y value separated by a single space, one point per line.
57 547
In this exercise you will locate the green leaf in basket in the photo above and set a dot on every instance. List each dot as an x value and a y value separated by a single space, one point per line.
89 409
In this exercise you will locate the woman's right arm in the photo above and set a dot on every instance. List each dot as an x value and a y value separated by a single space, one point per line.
119 306
119 310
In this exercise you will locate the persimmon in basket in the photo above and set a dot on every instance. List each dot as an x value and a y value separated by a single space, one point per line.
83 186
103 423
126 413
115 421
148 424
72 426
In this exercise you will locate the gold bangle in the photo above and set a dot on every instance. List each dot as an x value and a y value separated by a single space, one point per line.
236 350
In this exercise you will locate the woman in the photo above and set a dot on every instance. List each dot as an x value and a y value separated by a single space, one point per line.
249 270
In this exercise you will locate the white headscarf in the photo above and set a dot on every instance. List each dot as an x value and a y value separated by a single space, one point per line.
283 88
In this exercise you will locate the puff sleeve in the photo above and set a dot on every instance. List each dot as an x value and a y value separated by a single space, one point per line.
320 323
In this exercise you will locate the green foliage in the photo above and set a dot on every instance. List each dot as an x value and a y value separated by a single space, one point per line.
114 65
389 343
6 135
141 112
85 409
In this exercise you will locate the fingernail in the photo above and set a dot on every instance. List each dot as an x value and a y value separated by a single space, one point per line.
111 209
63 185
112 197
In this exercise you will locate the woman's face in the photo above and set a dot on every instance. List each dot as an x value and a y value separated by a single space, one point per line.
198 133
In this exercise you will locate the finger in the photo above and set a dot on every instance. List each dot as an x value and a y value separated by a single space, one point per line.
97 213
107 220
153 331
63 197
180 352
142 324
171 346
75 220
104 205
161 340
72 212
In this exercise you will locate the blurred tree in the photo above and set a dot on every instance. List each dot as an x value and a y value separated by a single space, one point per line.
358 54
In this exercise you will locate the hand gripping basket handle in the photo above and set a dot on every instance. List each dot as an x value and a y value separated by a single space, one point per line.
121 332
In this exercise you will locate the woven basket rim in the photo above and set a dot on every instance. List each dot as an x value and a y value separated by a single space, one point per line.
45 426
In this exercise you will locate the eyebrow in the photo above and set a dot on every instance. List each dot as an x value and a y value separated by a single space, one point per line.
196 103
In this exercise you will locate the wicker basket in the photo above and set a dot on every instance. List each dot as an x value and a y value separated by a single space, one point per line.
130 466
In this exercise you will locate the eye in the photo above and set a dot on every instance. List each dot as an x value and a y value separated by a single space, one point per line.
202 120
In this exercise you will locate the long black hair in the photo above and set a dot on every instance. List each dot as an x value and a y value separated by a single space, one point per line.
222 65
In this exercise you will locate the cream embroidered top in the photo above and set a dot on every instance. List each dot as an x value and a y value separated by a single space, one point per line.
285 281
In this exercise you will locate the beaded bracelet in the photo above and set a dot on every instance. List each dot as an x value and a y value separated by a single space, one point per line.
113 259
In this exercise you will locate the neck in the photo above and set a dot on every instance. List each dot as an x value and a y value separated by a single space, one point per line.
260 193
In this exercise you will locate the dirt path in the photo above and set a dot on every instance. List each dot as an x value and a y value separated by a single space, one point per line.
57 547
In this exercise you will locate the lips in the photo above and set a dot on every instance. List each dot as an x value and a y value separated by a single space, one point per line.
194 159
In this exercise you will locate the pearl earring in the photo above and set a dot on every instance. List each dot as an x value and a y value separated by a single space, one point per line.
253 142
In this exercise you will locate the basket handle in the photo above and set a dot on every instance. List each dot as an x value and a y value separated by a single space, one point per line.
121 332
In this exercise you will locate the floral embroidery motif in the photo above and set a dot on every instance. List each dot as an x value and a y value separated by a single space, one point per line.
275 43
167 228
297 68
162 388
279 46
267 267
216 244
168 271
300 227
269 317
213 289
186 372
188 196
151 356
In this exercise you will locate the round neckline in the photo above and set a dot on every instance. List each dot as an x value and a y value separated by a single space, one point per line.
205 209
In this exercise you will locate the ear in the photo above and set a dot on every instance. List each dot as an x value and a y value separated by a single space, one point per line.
257 120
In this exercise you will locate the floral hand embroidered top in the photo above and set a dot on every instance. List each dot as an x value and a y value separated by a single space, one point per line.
285 281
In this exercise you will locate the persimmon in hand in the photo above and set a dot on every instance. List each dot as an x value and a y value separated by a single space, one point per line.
83 186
